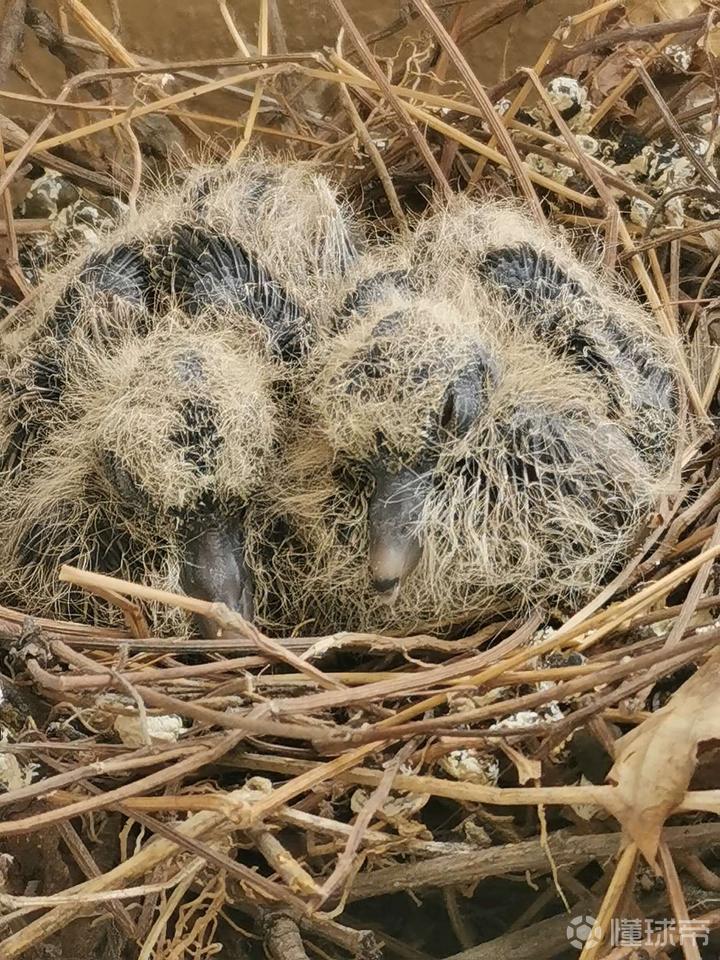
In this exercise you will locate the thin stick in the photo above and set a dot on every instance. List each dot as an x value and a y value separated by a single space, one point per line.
617 887
217 612
111 898
11 34
677 901
593 174
530 701
104 800
13 260
373 152
242 144
310 775
695 592
137 166
233 721
144 757
232 29
610 40
85 861
663 318
168 908
491 117
114 48
344 865
34 144
159 851
518 101
584 634
569 848
454 133
285 865
389 93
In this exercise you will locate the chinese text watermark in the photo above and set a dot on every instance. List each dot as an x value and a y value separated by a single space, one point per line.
623 932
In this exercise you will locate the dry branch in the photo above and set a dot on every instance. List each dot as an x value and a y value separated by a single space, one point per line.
11 34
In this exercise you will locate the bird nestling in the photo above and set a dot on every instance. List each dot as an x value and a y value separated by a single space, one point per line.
160 443
143 392
460 451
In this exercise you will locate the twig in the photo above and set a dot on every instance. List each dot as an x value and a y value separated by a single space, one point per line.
168 908
491 117
85 861
344 865
158 852
137 167
16 137
375 155
694 594
34 144
11 34
218 612
13 262
115 50
277 30
610 40
492 13
400 111
282 938
231 721
454 725
568 849
310 775
112 897
269 889
282 861
677 901
144 757
703 876
618 884
237 37
102 801
52 37
263 47
678 133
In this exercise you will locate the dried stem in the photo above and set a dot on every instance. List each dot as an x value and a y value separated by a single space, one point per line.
11 34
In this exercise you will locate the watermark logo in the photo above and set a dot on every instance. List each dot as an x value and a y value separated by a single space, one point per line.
583 930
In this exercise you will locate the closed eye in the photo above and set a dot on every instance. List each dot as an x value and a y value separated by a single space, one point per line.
447 416
121 480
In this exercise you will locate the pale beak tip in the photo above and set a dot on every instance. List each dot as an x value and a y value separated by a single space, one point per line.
387 590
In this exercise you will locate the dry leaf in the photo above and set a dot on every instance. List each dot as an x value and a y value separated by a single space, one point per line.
159 729
656 760
613 69
650 11
528 770
653 11
11 773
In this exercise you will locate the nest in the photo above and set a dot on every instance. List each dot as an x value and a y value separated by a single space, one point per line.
389 793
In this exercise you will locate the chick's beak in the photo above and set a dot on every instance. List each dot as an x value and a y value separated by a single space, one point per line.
394 528
214 569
